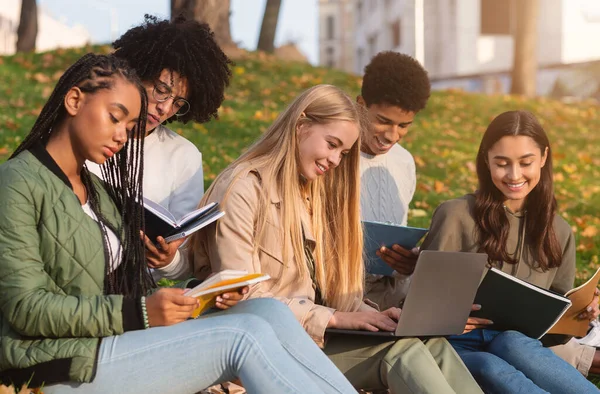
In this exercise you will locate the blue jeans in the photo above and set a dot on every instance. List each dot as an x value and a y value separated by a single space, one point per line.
510 362
259 341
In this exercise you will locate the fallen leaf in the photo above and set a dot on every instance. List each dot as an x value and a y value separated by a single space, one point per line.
46 92
419 161
41 78
471 166
589 232
438 186
417 213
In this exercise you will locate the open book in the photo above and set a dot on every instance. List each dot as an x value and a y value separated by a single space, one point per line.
222 282
513 304
160 222
377 234
580 298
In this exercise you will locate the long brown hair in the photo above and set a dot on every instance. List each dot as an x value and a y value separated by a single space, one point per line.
334 198
540 205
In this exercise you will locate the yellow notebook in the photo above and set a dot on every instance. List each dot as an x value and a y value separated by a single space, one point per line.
580 298
222 282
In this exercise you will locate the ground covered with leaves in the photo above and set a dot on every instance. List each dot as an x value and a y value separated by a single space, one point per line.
444 138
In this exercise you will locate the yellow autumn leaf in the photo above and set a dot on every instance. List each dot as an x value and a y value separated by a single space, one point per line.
589 232
438 186
569 168
417 213
419 161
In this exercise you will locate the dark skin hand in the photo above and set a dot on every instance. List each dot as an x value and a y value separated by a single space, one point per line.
161 254
591 312
169 306
401 260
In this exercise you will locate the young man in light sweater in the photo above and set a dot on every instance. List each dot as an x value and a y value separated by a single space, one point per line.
395 88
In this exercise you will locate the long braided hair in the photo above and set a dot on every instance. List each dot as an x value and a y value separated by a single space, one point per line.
122 173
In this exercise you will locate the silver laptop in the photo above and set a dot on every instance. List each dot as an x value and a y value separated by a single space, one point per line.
440 296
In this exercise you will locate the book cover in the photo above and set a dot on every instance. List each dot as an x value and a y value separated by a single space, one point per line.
222 282
158 221
377 234
513 304
580 297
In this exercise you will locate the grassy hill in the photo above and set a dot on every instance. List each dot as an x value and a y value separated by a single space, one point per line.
444 138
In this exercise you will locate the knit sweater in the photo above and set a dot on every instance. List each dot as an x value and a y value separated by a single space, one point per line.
388 184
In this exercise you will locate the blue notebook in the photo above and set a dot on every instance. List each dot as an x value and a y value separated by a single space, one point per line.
377 234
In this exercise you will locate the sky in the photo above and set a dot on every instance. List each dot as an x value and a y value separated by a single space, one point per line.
107 19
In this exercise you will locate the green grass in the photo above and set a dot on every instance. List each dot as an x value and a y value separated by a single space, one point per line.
443 140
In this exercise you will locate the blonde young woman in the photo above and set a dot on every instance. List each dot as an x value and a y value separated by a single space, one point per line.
292 203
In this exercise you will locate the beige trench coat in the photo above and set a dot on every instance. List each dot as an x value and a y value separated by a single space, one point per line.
231 243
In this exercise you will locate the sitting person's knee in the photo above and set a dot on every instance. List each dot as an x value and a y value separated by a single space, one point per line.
512 342
481 364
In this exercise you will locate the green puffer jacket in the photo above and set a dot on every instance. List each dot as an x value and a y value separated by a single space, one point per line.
53 307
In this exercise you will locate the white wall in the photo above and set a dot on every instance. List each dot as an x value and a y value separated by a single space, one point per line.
581 31
51 32
377 15
342 43
454 46
564 35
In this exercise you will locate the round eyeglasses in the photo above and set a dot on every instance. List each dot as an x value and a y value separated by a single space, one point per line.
162 93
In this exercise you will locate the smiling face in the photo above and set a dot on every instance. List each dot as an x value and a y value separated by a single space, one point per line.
102 120
515 164
389 124
321 147
169 84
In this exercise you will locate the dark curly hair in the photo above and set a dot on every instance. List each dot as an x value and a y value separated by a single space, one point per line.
186 47
396 79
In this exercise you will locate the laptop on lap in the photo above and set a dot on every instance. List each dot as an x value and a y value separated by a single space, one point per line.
440 295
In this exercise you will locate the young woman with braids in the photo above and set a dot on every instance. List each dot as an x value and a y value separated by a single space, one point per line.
513 218
185 73
77 311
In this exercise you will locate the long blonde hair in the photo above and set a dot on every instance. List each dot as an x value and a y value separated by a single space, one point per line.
333 198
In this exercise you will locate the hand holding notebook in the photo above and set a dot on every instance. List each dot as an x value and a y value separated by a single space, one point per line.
377 234
222 282
160 222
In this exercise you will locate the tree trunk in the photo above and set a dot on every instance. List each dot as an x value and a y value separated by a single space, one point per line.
524 72
213 12
28 26
266 39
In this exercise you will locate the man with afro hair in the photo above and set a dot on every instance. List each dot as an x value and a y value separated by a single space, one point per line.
185 74
395 88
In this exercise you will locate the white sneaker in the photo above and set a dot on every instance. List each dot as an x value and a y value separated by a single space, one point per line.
593 336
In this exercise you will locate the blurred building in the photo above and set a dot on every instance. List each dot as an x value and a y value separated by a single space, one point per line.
52 33
465 43
336 34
